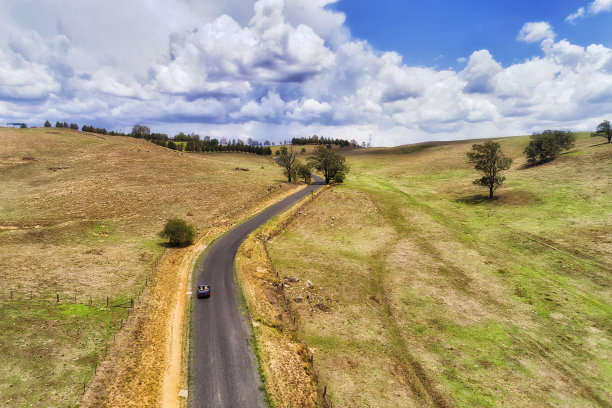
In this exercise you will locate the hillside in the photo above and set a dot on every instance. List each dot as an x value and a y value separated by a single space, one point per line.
425 293
79 217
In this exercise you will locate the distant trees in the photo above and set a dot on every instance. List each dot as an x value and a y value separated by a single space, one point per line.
329 162
489 159
74 126
179 232
603 129
140 131
548 145
47 123
287 160
316 140
59 124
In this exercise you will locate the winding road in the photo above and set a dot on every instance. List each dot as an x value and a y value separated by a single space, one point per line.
223 367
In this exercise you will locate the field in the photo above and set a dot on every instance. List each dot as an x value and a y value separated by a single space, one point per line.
415 290
79 217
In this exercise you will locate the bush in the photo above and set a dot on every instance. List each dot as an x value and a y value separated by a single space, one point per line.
180 233
339 178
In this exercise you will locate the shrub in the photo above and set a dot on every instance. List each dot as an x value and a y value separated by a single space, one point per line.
339 178
179 232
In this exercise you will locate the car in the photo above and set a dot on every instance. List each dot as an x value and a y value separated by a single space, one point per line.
203 291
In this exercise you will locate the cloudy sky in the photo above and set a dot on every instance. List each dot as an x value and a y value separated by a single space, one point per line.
396 71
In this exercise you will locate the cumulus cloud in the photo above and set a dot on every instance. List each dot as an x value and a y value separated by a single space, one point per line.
480 71
277 69
595 7
536 31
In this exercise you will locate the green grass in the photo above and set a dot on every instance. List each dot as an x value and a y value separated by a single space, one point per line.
453 297
53 346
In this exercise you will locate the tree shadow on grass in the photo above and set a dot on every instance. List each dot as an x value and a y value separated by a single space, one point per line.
476 199
167 244
536 164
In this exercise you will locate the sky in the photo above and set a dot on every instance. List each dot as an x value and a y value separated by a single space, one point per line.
395 72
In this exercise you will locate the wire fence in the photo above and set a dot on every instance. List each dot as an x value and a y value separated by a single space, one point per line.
120 302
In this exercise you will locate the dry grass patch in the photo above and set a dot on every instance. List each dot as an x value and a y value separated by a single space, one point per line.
80 217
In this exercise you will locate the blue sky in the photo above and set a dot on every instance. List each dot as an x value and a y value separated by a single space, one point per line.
396 71
439 32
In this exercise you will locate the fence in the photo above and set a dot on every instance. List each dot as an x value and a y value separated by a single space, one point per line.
126 302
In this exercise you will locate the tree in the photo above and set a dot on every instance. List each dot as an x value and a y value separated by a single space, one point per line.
603 129
304 171
548 144
328 162
287 161
303 150
179 232
47 123
140 131
489 159
59 124
74 126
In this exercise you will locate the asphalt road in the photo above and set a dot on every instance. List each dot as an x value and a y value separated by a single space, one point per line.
223 367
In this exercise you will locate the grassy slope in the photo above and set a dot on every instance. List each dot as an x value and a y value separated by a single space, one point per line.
79 214
437 296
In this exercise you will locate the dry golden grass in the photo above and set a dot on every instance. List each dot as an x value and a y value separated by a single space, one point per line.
437 297
80 215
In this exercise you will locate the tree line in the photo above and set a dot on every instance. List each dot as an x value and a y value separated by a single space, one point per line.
316 140
544 146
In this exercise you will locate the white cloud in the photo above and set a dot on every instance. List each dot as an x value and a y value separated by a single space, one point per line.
595 7
277 69
578 14
480 71
536 31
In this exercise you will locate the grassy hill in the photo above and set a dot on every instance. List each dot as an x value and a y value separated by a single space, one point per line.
79 217
425 293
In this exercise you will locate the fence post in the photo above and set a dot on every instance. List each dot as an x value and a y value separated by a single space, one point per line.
324 391
30 295
107 301
57 294
121 324
131 303
11 295
90 301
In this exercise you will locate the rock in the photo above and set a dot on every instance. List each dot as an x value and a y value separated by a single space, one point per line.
322 307
308 284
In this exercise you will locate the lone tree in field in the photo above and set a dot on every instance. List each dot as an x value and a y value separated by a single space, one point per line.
603 129
489 159
329 162
180 233
47 123
287 161
548 144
